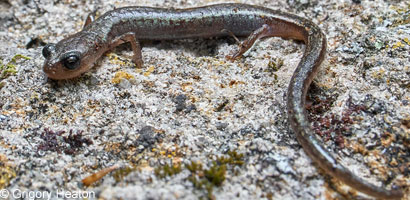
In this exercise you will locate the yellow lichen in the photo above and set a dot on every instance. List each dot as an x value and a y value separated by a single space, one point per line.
119 76
116 60
7 172
397 45
138 70
378 74
149 70
406 40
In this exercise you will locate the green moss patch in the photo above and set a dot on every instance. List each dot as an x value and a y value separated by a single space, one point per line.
205 178
10 68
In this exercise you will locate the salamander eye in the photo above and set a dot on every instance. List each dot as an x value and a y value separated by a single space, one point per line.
48 50
71 60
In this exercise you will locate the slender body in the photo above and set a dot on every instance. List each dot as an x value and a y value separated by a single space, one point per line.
76 54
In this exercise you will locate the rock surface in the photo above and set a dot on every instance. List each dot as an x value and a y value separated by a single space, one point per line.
191 124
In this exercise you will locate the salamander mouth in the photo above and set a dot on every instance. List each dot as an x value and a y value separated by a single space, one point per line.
48 70
57 72
52 72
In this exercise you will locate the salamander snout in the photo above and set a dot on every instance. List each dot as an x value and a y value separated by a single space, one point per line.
61 61
70 60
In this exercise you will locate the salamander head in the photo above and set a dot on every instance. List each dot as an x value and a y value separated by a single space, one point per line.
69 58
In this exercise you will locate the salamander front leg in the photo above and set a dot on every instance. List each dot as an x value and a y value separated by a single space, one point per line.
136 48
247 44
90 18
135 45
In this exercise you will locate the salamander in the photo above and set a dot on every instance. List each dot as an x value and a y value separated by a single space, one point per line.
77 53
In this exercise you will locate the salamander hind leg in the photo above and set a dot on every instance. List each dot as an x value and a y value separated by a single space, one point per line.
135 45
230 33
248 43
